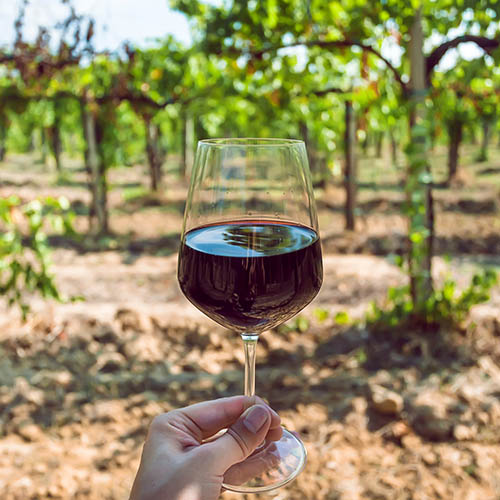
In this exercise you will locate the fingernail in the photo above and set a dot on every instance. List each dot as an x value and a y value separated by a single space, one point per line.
255 418
260 401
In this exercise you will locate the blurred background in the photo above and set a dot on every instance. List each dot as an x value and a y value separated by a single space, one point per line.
391 376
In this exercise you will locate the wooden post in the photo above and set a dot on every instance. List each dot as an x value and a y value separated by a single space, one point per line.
187 144
97 173
350 167
55 132
418 185
3 138
54 136
43 144
311 153
455 129
394 147
485 139
154 153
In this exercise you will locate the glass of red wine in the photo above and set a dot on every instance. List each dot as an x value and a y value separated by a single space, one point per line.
250 259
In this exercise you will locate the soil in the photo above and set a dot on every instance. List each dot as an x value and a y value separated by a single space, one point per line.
413 415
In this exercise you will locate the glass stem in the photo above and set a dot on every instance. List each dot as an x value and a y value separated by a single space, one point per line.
250 344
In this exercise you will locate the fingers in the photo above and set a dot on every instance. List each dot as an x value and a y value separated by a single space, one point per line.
241 439
263 460
274 434
203 420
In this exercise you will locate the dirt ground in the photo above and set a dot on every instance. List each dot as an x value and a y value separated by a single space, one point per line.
404 416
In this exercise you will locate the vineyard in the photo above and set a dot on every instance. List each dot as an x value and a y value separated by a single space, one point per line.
391 376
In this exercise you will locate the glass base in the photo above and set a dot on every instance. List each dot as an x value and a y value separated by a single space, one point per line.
270 466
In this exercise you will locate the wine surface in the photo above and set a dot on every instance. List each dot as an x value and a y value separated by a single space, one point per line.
250 276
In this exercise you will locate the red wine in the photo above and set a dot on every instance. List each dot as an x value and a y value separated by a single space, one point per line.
250 276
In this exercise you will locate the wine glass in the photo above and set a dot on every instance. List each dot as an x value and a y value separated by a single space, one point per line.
250 259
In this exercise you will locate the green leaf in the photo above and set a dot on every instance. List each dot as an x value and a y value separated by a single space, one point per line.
321 314
302 324
416 237
272 12
342 318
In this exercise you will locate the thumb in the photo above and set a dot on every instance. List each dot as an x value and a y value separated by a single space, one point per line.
241 439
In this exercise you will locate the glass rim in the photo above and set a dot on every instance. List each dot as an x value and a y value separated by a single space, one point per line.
250 141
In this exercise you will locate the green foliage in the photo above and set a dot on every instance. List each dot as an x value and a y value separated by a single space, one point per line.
298 324
24 248
467 95
445 306
320 314
418 205
342 318
237 81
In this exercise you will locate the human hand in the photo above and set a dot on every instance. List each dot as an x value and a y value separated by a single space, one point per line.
177 464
